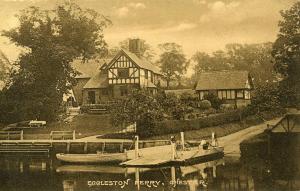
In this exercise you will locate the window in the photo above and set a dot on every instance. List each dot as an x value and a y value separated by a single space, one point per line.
240 93
226 94
146 74
123 72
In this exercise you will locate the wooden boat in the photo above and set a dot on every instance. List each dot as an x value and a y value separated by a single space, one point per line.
196 155
92 158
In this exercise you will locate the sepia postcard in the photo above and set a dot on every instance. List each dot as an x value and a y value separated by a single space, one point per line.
156 95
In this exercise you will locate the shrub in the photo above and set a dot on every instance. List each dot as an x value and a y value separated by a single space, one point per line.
227 107
176 126
214 100
205 104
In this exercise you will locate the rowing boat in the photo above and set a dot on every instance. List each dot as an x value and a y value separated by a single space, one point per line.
92 158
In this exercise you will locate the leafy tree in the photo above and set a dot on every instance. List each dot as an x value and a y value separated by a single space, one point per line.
53 39
4 64
140 108
286 52
214 100
255 58
173 62
146 49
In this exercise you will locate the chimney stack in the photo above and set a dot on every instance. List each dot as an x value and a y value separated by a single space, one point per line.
135 46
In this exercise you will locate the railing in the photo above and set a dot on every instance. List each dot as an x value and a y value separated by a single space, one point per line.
62 135
12 135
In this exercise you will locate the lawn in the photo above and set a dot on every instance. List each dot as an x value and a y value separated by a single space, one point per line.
84 125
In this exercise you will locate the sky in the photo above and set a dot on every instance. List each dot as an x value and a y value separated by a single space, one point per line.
197 25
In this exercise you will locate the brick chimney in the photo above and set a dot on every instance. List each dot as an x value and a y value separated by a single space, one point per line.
135 46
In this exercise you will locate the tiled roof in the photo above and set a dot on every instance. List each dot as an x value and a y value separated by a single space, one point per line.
179 92
88 69
140 61
222 80
97 81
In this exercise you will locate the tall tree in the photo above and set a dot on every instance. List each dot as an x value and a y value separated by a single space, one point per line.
286 52
173 62
53 38
255 58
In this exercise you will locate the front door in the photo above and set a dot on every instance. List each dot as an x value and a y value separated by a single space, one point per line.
92 97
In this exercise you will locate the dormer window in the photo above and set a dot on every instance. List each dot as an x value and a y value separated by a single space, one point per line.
123 72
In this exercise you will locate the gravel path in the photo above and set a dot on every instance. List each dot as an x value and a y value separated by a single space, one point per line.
232 142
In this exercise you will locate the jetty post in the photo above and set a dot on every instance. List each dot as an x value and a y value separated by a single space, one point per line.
182 140
136 147
173 176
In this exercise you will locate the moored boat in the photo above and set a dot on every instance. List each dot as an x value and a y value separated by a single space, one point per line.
92 158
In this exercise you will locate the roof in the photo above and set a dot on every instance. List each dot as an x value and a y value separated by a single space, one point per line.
98 81
289 123
140 61
179 92
223 80
88 69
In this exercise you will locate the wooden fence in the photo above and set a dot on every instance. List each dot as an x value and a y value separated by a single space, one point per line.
62 135
11 135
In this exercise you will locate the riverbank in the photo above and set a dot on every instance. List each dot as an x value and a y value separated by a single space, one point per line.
84 125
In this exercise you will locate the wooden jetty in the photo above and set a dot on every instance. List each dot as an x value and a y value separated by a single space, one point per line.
76 146
170 155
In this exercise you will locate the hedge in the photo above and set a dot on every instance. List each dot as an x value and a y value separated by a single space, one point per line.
176 126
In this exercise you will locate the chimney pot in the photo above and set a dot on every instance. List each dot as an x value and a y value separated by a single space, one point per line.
135 46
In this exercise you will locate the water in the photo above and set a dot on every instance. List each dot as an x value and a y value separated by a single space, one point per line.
228 173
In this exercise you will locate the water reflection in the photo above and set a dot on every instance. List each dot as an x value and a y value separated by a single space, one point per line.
31 173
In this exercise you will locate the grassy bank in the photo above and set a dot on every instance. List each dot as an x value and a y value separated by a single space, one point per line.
84 125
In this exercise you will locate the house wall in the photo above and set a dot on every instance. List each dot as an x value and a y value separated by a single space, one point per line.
101 95
118 91
136 75
238 102
78 89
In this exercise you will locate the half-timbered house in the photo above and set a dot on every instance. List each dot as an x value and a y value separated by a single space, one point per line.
126 71
233 87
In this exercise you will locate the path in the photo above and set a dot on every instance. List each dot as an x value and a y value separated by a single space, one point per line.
232 142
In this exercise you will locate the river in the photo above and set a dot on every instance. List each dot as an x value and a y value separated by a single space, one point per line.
229 173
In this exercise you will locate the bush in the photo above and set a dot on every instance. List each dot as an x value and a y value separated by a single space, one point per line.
227 107
205 104
176 126
214 100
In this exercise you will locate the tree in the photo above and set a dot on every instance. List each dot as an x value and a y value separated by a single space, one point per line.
173 62
139 107
53 39
4 68
214 100
286 52
146 49
255 58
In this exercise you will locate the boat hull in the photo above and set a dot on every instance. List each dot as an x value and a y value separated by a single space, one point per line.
92 158
195 156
